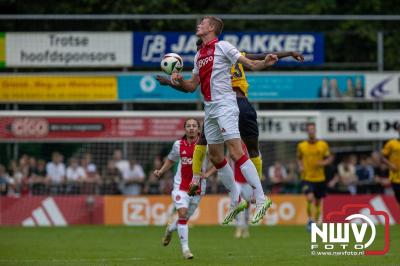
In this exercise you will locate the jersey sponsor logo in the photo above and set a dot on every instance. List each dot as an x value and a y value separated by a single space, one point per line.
186 161
204 61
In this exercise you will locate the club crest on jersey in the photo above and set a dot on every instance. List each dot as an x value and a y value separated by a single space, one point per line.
178 198
223 130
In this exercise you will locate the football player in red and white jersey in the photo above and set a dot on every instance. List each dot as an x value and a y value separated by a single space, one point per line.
212 65
182 151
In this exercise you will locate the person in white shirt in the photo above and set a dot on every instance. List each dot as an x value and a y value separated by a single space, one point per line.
56 169
133 182
123 165
75 173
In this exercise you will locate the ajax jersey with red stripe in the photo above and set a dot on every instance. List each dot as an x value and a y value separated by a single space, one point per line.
183 150
213 64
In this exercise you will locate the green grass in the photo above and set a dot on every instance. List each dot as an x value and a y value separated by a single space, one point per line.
214 245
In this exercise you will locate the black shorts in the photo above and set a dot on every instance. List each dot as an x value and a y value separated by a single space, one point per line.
248 126
317 188
396 189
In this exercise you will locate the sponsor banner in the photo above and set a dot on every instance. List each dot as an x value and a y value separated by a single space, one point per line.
383 86
150 47
359 125
145 126
57 88
284 125
2 50
51 211
305 86
89 128
262 87
155 210
363 204
138 87
69 49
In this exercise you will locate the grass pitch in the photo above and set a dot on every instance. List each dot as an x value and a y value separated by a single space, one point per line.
211 245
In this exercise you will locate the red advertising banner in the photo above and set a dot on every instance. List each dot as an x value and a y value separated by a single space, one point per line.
51 211
334 206
90 128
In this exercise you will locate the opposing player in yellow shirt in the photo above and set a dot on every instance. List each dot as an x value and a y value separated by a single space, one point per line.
391 157
312 156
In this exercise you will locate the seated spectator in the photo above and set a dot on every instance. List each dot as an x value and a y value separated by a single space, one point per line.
39 179
4 180
365 175
16 177
346 179
277 174
132 183
56 172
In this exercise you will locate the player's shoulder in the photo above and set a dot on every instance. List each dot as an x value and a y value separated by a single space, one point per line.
323 142
224 44
302 143
177 143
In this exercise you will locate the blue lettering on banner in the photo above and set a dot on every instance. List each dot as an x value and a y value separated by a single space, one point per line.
149 48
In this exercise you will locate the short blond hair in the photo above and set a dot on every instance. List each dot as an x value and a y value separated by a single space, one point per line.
216 22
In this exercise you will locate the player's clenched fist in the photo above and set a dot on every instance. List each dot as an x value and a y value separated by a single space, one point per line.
157 173
270 59
176 78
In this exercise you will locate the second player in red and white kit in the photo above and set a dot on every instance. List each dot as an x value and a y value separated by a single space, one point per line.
212 66
182 151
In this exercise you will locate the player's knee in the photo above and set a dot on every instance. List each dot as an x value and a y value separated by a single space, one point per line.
182 212
216 159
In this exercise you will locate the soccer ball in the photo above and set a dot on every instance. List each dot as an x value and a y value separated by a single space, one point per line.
171 63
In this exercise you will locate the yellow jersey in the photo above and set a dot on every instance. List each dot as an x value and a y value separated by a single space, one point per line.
238 78
310 154
391 150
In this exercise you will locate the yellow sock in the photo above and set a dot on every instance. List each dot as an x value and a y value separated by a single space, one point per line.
309 209
258 164
317 212
198 158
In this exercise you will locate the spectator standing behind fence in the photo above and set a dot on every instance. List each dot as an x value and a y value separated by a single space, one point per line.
39 179
122 164
346 179
56 172
75 175
132 183
365 176
292 178
4 180
277 174
110 179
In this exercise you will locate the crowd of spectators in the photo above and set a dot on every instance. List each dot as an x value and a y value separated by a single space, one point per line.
352 174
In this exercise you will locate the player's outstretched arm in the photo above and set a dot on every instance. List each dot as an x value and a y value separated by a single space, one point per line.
167 82
255 65
189 85
297 56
